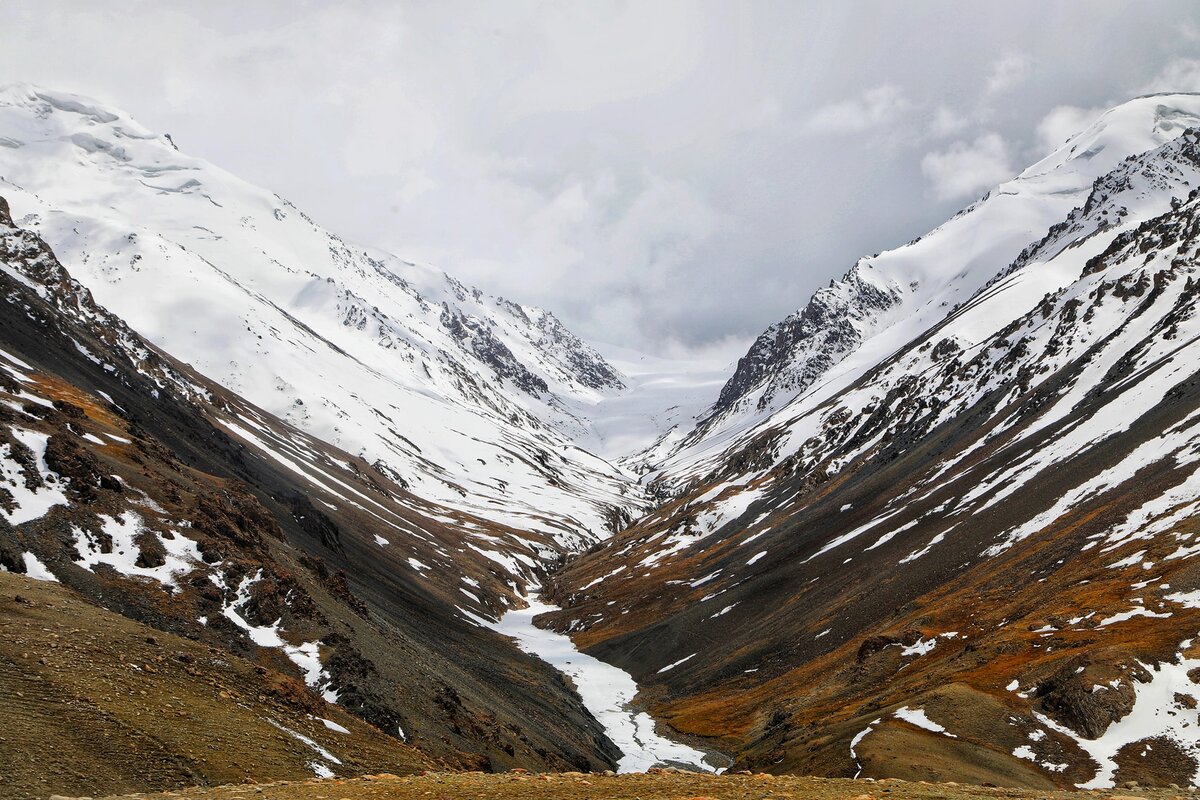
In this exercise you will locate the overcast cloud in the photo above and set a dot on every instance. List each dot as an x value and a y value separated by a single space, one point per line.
664 175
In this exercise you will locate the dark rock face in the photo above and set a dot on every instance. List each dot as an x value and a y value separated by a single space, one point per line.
316 522
235 515
1077 697
587 366
573 356
79 466
475 337
1158 761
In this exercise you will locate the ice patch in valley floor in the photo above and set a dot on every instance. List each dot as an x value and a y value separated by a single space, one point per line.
607 691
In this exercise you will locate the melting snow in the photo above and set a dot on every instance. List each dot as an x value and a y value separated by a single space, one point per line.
333 726
319 769
602 578
1026 752
1186 599
37 570
607 691
919 647
30 504
675 664
181 557
916 716
1155 713
854 743
306 656
1137 611
723 611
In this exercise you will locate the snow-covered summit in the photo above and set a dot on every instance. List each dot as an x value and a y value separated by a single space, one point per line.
469 399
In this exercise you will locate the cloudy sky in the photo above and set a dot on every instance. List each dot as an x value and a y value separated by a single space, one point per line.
671 176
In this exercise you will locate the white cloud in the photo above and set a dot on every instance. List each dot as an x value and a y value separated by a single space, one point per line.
947 122
966 168
873 108
1180 75
1062 123
1009 70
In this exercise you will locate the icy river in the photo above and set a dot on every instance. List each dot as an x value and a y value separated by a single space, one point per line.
607 692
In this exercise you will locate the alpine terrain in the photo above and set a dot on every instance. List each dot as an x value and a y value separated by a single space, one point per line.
275 506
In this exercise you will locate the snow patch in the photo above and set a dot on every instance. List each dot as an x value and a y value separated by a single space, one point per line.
608 692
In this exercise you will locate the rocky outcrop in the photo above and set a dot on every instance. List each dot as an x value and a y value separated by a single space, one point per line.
790 355
475 337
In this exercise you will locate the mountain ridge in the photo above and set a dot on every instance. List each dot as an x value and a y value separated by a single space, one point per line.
155 494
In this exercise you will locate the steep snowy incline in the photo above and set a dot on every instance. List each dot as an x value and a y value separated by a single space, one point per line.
886 300
469 400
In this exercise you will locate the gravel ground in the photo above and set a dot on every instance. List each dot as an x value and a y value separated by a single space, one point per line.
656 785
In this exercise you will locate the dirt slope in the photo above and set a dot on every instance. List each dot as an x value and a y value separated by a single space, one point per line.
96 703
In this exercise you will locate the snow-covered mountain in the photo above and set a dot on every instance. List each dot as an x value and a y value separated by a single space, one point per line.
949 507
151 492
886 300
469 400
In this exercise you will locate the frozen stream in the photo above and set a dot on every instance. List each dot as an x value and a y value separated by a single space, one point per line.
606 691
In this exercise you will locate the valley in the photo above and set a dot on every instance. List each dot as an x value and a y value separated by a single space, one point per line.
937 525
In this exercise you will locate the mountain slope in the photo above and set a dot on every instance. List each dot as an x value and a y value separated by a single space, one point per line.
132 708
468 400
971 536
154 493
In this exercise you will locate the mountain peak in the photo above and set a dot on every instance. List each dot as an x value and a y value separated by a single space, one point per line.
885 299
1133 127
